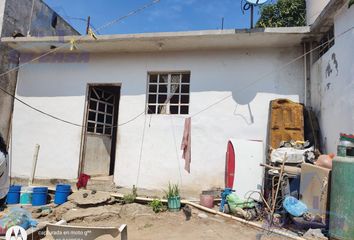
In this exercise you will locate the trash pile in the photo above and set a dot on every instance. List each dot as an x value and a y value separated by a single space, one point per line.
297 178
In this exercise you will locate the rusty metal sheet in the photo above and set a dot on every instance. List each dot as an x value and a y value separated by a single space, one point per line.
286 122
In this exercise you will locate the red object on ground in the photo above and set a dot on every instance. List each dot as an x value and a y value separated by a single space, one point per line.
207 200
230 166
83 179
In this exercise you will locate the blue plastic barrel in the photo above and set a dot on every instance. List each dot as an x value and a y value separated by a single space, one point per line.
39 196
13 196
61 193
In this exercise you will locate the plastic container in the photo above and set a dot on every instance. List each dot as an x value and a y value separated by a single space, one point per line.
13 196
174 204
295 207
61 193
341 224
207 199
26 195
39 196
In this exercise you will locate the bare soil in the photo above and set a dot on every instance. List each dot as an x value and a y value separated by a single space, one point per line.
144 224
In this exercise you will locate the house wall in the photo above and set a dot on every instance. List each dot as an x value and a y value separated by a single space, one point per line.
60 89
333 83
314 9
2 10
15 16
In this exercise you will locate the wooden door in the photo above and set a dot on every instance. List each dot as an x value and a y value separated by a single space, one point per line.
286 122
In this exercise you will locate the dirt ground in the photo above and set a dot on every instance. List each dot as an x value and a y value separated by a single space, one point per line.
144 224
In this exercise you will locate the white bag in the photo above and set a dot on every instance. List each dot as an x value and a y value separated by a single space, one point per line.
293 155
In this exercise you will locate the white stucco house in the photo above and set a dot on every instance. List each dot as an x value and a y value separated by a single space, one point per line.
124 98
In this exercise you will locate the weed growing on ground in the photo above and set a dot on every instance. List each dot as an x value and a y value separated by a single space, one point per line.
157 206
130 198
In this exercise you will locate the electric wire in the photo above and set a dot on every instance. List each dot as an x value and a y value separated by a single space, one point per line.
193 115
62 46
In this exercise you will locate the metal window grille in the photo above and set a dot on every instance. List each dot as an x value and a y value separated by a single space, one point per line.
327 42
168 93
100 112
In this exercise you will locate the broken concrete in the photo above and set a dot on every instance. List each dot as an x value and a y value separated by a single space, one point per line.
86 198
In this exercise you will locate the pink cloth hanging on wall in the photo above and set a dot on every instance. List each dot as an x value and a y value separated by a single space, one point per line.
186 145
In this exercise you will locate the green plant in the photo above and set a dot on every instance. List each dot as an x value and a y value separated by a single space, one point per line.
130 198
283 13
351 2
157 206
172 191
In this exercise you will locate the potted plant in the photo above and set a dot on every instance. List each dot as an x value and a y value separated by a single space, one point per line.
173 198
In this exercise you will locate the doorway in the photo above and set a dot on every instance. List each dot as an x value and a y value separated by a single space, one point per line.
99 148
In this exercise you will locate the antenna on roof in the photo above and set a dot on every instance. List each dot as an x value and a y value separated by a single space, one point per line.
250 4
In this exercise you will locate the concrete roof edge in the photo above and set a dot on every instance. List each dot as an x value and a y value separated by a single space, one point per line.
323 21
157 35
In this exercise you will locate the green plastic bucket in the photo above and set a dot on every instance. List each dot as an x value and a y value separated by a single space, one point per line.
174 204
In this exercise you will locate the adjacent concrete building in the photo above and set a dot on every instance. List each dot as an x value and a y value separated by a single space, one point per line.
21 18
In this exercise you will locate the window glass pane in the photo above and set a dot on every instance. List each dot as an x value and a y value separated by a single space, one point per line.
107 95
153 78
110 99
162 109
175 99
93 105
176 78
98 93
174 88
99 128
109 109
184 109
90 127
108 130
101 107
173 109
100 118
92 116
162 98
186 78
163 78
93 94
153 89
163 89
152 98
185 99
185 89
151 109
109 119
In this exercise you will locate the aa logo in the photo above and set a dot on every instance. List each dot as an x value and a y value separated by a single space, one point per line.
16 233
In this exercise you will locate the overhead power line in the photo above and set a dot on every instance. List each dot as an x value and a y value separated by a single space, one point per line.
201 111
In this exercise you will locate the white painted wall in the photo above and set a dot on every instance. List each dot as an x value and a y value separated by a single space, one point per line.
60 90
2 11
313 9
333 96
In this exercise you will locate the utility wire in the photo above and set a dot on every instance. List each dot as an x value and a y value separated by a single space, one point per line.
60 47
201 111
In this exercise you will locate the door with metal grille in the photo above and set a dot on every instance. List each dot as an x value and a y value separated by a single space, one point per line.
99 149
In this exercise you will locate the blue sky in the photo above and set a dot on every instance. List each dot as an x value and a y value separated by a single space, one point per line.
168 15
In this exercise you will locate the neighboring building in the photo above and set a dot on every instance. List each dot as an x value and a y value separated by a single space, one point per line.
16 18
147 84
332 72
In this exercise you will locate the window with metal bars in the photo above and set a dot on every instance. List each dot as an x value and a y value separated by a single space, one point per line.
327 41
100 112
168 93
